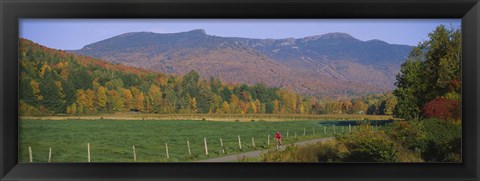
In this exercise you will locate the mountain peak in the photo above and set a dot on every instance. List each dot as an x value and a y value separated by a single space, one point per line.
197 31
376 41
335 35
134 33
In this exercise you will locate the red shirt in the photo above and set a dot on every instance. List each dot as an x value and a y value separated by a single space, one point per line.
278 136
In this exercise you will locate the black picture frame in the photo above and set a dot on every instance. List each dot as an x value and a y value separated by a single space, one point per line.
12 11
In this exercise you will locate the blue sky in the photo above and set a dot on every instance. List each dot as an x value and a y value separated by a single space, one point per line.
71 34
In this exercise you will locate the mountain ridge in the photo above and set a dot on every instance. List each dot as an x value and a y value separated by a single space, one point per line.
322 65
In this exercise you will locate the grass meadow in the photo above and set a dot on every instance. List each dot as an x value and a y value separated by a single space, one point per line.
112 140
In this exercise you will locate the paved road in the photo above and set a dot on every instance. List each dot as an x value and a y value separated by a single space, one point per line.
230 158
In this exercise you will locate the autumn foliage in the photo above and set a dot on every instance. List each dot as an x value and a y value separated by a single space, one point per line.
442 108
59 82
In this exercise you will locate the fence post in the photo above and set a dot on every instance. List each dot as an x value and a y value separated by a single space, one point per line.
349 128
221 144
188 145
253 142
49 154
287 133
166 150
304 131
295 135
30 153
239 142
268 140
334 132
134 154
325 130
206 147
88 147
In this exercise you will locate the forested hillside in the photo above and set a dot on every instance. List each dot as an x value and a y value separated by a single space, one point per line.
328 65
58 82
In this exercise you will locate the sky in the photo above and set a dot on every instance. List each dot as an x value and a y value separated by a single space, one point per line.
72 34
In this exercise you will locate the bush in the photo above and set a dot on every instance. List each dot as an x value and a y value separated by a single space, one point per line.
447 151
329 152
28 110
443 141
319 152
365 145
286 155
438 130
406 155
442 108
434 139
410 135
452 150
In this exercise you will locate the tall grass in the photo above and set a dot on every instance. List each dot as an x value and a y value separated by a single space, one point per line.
319 152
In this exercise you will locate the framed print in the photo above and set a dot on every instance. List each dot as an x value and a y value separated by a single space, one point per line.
242 90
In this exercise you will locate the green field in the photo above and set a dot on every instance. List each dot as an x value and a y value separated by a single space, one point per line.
112 140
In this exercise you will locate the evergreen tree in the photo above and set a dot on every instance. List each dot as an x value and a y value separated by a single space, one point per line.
26 92
80 78
69 91
269 108
52 99
226 94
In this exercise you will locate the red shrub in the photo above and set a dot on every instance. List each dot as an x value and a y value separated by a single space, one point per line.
455 85
446 109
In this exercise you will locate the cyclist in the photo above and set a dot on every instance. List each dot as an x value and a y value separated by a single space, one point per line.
278 137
